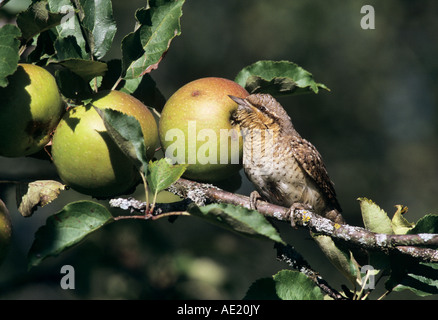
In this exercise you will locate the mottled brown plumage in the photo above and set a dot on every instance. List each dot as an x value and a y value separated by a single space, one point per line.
285 168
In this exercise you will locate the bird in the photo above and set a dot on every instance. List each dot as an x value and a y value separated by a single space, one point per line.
285 168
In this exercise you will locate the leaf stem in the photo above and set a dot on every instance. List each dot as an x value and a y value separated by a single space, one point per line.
22 49
145 183
384 295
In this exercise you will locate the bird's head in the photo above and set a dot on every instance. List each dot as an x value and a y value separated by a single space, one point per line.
261 111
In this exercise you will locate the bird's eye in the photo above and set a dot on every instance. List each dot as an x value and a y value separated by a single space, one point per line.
262 108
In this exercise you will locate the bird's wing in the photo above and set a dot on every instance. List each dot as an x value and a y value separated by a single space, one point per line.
311 161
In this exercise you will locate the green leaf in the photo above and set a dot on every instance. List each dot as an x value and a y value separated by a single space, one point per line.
99 23
86 69
427 224
375 219
262 289
3 2
293 285
161 174
341 258
285 285
421 278
399 223
44 49
71 85
277 78
67 228
143 49
37 18
238 219
126 132
9 52
37 193
71 30
67 48
410 274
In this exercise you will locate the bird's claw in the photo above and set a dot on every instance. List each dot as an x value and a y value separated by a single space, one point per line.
297 206
253 197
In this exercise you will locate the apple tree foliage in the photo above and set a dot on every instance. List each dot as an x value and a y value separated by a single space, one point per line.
72 37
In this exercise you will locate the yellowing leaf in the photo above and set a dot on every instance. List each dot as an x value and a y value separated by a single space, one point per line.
374 218
399 223
37 193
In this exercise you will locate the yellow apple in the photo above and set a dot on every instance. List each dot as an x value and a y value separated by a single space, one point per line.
86 157
5 230
30 109
195 128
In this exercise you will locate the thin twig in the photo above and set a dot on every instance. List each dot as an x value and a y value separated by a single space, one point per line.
294 259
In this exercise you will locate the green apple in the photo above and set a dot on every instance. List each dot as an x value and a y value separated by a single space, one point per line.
5 230
195 128
30 109
86 157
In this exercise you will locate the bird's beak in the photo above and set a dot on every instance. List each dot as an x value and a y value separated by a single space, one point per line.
242 103
237 100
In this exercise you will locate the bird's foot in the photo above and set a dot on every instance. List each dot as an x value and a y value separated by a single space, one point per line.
297 206
253 197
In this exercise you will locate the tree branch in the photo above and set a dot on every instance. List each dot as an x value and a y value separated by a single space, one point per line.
409 244
202 193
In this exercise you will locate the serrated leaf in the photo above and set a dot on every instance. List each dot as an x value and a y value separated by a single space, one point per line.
67 228
399 223
161 174
285 285
238 219
277 78
36 194
341 258
99 23
9 52
143 49
126 132
37 18
375 219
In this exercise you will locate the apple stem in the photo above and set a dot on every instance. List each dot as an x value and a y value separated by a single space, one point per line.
117 83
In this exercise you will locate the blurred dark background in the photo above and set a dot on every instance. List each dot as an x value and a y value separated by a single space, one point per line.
376 129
